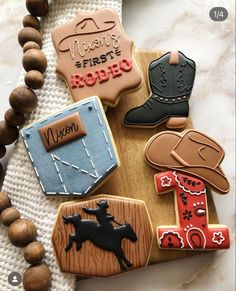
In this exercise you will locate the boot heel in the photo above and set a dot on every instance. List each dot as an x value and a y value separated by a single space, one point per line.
176 122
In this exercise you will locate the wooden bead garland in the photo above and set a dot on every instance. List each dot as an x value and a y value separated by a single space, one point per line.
34 79
34 252
9 215
37 7
5 201
23 100
8 134
30 45
29 34
37 278
2 150
22 232
13 118
34 59
31 21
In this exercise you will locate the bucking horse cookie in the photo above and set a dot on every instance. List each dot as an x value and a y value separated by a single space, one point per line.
102 236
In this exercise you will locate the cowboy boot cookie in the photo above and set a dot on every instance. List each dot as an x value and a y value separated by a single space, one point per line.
171 79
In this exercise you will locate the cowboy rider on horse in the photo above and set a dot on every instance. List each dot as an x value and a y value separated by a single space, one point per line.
101 214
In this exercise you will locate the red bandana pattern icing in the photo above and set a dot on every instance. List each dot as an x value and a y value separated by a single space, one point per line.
193 231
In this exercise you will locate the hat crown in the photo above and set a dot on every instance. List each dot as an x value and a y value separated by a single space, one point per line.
197 149
87 25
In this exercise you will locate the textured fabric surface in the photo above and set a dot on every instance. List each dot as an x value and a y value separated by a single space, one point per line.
20 182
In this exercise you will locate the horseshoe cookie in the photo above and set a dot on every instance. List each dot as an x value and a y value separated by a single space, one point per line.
192 231
96 57
102 236
72 151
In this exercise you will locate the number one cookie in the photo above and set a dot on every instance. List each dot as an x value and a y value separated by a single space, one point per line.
192 230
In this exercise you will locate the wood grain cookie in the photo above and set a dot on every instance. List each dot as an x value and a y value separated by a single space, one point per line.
102 236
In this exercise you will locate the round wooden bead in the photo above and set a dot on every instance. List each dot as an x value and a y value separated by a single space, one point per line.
34 60
21 232
30 45
23 100
8 134
34 79
31 21
5 201
37 7
13 118
29 34
9 215
2 150
37 278
34 252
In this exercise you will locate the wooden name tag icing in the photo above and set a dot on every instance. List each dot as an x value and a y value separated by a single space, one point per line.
102 236
72 151
95 56
62 131
192 231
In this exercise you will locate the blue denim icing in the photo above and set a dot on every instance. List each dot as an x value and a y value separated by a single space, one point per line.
75 168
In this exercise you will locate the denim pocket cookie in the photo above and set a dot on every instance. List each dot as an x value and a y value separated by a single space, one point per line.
72 151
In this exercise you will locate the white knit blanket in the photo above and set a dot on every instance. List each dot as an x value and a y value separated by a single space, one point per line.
20 182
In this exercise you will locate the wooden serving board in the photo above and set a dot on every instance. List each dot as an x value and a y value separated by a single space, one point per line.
134 179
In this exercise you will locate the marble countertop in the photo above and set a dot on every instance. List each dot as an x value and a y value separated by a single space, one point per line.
167 25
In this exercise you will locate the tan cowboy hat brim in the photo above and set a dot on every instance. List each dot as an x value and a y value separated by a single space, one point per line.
158 155
64 44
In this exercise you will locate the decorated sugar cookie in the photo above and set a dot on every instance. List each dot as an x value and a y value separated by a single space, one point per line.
191 152
192 230
102 236
194 160
72 151
171 79
96 57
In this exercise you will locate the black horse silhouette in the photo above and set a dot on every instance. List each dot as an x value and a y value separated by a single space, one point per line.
103 234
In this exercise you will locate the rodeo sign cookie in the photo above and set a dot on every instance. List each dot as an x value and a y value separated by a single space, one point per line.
96 57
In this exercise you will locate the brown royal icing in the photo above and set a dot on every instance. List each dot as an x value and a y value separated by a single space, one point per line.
95 56
102 236
62 131
191 152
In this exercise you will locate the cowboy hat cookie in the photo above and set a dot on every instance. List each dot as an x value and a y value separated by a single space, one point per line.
192 230
102 236
72 151
96 57
171 79
190 152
